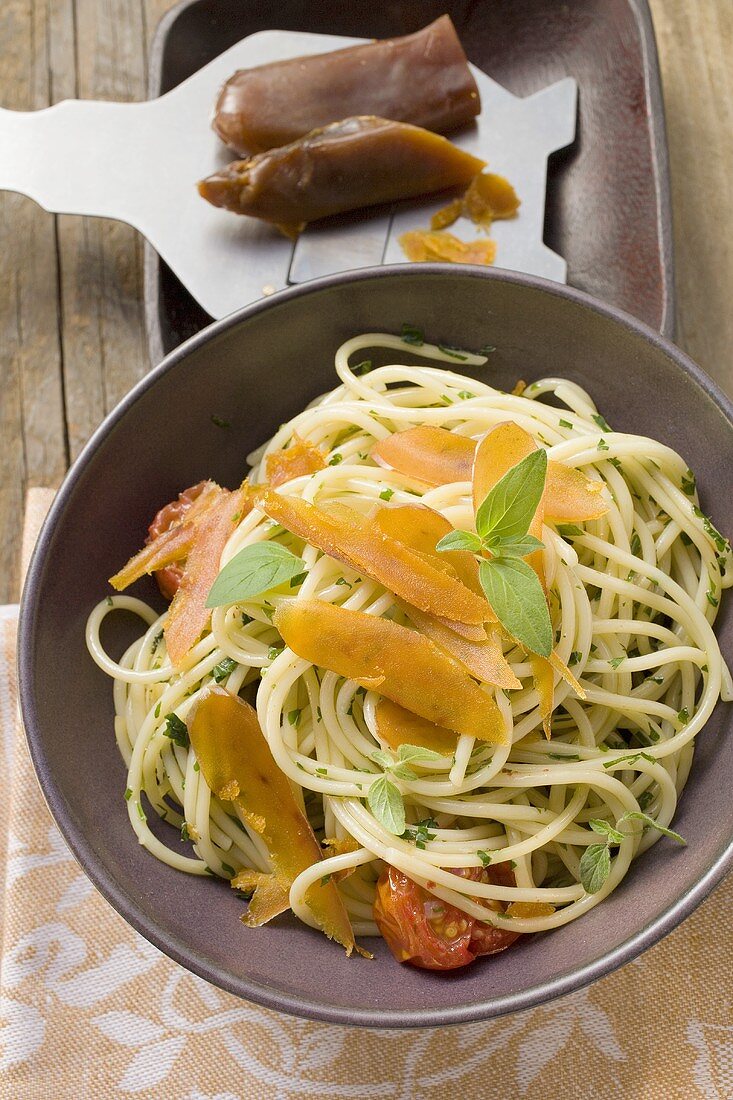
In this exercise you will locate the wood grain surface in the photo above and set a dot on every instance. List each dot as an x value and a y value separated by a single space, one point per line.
71 320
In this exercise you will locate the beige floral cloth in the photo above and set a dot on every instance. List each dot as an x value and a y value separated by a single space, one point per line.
88 1009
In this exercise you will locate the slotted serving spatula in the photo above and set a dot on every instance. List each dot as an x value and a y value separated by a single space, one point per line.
139 163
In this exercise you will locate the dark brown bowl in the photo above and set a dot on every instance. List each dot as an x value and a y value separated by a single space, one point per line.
256 369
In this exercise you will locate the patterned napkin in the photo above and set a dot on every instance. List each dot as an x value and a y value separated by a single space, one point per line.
89 1009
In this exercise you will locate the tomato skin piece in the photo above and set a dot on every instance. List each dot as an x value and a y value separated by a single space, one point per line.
408 919
430 934
172 515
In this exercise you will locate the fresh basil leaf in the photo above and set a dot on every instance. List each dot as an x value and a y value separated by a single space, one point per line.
459 540
595 867
255 569
636 815
569 530
513 547
415 753
509 508
603 827
385 802
515 593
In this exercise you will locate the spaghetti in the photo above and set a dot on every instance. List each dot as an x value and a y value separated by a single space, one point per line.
632 596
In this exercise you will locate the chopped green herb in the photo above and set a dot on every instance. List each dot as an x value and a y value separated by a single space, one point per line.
686 540
616 661
335 459
645 799
413 335
140 811
274 652
602 445
688 484
712 598
683 715
386 494
298 579
321 771
319 716
446 399
177 730
325 880
465 395
484 856
294 718
601 422
656 679
156 712
362 368
575 657
225 668
454 353
629 761
184 831
569 530
721 544
228 870
566 424
246 619
635 545
343 581
219 422
563 756
128 794
156 641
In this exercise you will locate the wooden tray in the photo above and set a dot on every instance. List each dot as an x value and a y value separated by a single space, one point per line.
608 204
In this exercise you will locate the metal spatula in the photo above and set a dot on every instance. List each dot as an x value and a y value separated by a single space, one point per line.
139 163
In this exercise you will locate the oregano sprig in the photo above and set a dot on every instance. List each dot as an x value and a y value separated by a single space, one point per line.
595 863
501 542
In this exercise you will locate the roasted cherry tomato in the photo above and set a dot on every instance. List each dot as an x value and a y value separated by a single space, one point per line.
172 515
426 932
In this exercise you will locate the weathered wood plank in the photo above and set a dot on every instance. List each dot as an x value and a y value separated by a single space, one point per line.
696 48
32 434
101 279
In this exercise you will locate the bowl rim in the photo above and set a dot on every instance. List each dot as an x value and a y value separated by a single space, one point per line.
248 989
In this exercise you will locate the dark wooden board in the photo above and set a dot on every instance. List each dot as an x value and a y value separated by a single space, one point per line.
608 205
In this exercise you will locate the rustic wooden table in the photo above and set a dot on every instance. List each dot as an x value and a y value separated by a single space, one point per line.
71 319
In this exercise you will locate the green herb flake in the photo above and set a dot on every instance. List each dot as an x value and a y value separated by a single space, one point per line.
711 597
343 581
688 484
616 661
686 540
219 422
325 880
412 335
319 716
140 810
184 831
274 652
575 657
630 760
465 395
321 771
386 494
569 530
225 668
563 756
645 799
335 459
683 716
298 579
128 794
294 718
454 353
602 445
362 368
484 856
566 424
635 545
601 422
177 730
